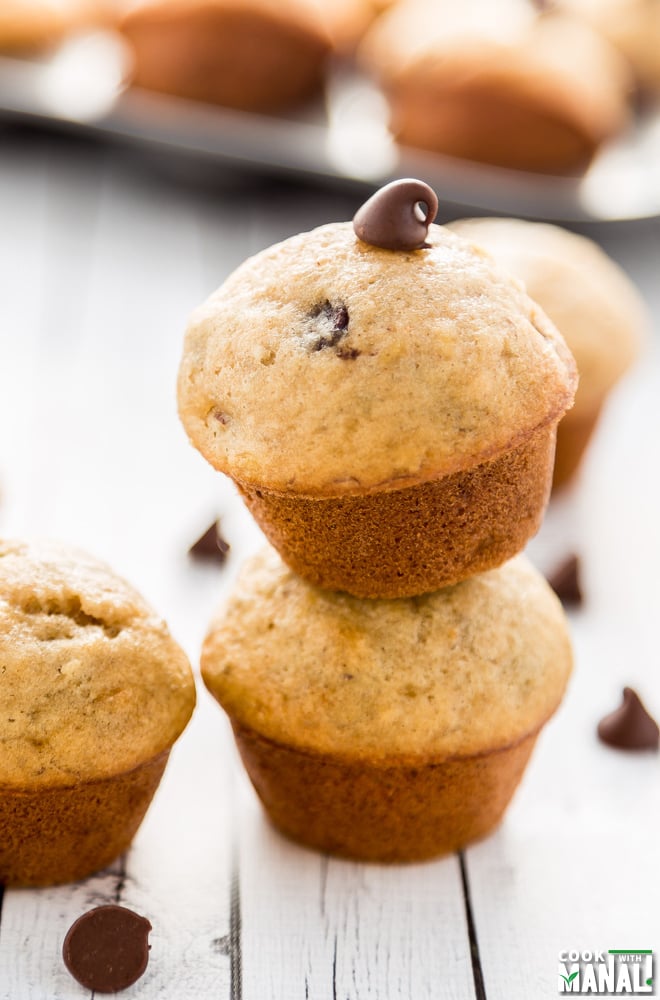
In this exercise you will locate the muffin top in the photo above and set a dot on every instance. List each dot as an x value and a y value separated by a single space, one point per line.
92 683
585 293
463 670
326 366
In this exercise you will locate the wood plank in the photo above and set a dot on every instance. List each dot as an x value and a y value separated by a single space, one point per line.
328 929
576 862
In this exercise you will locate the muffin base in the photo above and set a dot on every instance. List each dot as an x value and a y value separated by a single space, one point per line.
494 125
573 435
382 812
404 542
54 835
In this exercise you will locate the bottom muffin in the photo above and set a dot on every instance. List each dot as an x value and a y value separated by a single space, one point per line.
387 730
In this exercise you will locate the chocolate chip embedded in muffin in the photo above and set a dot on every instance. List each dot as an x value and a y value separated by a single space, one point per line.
329 325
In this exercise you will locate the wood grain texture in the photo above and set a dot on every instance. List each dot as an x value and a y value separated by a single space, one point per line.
315 926
576 862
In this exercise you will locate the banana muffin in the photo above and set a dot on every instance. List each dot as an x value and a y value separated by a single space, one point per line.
387 730
633 26
253 55
94 693
388 415
593 303
498 83
28 26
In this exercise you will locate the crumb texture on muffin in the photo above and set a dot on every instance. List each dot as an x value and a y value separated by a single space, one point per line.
92 683
457 672
324 366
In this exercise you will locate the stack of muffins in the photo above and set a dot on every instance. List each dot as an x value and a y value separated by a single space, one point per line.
386 400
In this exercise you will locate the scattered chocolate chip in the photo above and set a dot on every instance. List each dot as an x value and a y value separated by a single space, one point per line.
221 416
329 326
630 727
107 948
211 545
398 216
565 581
348 353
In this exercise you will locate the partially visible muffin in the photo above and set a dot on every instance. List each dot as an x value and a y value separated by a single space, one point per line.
633 26
28 26
94 693
346 21
389 416
591 300
498 83
387 730
253 55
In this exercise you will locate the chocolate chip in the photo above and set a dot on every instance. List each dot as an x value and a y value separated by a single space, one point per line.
329 326
348 353
630 727
211 545
107 948
398 216
565 581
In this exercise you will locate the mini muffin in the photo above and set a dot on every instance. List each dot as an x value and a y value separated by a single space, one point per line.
254 55
33 25
590 299
94 693
633 26
387 730
389 416
498 83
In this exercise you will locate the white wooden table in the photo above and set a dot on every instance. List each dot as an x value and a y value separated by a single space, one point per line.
101 260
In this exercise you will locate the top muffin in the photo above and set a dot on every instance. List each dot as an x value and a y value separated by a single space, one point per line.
325 366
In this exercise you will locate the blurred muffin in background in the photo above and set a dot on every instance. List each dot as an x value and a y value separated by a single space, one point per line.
590 299
498 83
33 25
347 22
633 26
254 55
